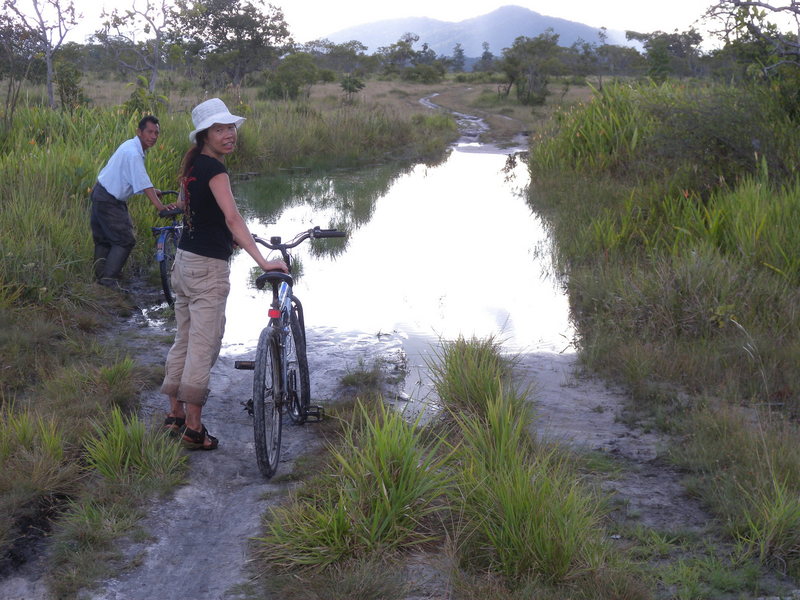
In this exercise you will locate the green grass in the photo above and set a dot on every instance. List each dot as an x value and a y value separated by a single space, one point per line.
467 373
527 515
125 462
677 238
497 506
384 487
123 450
35 470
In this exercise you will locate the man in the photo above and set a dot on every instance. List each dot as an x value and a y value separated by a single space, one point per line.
123 176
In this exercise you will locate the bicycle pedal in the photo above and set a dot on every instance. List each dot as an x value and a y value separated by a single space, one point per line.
315 413
245 365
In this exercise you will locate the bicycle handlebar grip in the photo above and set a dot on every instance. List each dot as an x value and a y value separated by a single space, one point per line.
170 212
329 233
273 277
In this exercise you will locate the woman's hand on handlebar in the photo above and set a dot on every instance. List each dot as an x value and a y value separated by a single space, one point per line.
276 265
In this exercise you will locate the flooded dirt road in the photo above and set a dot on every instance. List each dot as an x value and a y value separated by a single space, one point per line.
467 263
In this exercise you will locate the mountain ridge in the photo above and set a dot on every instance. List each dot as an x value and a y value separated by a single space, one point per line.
499 28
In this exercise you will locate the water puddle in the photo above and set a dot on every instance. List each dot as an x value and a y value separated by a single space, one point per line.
434 252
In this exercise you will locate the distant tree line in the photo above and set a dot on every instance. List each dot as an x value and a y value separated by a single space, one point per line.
219 43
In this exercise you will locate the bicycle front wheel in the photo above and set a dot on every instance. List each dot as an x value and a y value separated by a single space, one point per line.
266 403
165 266
298 392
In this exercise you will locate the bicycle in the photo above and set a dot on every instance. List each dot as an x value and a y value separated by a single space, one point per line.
167 238
280 369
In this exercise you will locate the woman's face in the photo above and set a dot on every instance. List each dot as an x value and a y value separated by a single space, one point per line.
221 139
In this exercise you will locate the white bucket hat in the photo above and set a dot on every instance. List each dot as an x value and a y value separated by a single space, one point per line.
205 114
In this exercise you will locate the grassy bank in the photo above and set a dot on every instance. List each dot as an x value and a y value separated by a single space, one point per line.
676 212
61 377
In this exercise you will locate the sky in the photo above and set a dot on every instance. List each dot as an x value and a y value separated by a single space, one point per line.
314 19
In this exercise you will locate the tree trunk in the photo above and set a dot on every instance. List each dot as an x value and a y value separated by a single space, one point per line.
154 65
48 56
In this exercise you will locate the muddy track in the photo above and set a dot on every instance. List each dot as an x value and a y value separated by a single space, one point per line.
198 538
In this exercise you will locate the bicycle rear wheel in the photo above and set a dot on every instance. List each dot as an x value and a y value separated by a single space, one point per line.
165 266
298 392
266 403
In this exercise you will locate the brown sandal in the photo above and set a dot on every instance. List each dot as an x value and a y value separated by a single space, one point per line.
195 440
174 425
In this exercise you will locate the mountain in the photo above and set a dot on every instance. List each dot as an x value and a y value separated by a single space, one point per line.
499 28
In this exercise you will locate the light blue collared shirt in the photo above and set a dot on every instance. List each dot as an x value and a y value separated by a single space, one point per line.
124 174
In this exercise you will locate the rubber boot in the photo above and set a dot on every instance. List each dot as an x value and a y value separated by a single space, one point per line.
100 254
113 267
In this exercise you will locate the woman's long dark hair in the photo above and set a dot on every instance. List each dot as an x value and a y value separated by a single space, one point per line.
191 154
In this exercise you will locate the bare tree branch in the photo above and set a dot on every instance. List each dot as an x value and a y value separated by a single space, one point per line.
49 24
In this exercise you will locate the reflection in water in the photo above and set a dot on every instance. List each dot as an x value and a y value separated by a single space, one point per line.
346 197
433 252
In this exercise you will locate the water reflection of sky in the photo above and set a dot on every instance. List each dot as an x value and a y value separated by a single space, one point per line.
448 250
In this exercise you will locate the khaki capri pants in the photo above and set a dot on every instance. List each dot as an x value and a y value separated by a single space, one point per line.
201 287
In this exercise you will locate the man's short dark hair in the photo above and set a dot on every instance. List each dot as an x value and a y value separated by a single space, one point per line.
148 119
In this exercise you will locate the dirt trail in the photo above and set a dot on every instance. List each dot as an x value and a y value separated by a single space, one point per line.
200 535
198 544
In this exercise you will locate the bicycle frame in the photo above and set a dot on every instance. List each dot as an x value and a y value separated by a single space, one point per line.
162 237
167 234
281 379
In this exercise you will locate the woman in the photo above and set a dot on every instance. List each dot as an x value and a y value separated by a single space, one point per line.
200 275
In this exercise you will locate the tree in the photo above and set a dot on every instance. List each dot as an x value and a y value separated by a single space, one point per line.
458 60
19 50
68 77
119 34
529 64
48 22
240 35
753 31
296 73
751 21
425 56
351 85
486 61
348 57
399 55
666 53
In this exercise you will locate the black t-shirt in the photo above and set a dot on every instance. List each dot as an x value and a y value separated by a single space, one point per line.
204 232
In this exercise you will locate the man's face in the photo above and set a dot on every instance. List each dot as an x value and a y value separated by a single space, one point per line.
148 136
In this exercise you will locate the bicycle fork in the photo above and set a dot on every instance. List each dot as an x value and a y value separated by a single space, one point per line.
281 299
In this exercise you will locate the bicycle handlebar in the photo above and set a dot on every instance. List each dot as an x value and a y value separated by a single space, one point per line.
313 233
170 212
275 244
